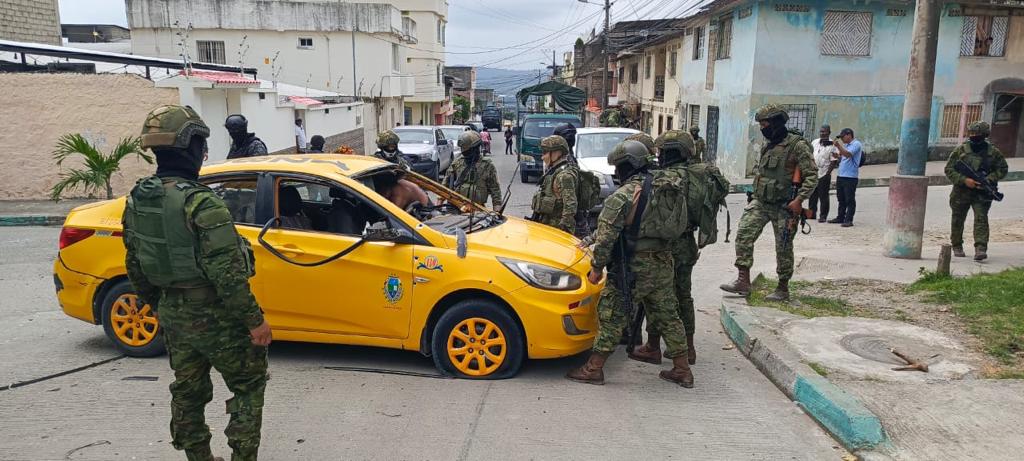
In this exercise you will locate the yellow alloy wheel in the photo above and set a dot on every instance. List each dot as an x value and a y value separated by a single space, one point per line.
133 325
477 347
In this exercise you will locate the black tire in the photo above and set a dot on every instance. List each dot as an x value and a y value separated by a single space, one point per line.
153 348
525 178
489 312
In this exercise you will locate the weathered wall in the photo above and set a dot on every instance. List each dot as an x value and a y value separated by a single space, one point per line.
39 108
337 123
36 21
265 14
424 56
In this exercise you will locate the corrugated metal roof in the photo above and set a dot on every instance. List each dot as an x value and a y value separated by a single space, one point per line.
224 78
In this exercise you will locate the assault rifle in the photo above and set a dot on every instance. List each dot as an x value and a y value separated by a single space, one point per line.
625 281
980 177
794 218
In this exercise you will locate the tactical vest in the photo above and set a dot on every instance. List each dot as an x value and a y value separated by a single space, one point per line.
156 224
772 179
544 201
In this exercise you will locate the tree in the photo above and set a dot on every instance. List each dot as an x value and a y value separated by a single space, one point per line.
99 167
462 111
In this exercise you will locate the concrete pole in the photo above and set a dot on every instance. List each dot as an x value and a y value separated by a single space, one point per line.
604 70
908 190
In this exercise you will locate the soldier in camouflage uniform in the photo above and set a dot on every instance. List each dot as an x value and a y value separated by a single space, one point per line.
782 154
700 146
554 203
648 142
243 143
387 149
187 262
651 266
471 175
675 150
966 195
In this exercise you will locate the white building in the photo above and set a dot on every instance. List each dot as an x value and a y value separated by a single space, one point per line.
424 57
356 49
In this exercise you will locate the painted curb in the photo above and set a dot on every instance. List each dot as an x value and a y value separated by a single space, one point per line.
842 414
32 220
934 180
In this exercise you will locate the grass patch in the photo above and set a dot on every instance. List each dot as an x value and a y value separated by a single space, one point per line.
991 304
799 304
818 369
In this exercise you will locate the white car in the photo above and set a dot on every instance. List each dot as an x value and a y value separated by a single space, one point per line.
452 132
592 148
426 149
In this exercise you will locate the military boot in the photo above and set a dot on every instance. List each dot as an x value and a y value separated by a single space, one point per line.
201 454
691 353
650 352
742 284
781 292
680 372
980 254
959 252
591 372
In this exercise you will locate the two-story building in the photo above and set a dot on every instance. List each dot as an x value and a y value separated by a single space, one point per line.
649 73
845 64
356 49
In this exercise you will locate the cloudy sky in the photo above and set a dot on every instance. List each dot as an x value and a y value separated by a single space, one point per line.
517 34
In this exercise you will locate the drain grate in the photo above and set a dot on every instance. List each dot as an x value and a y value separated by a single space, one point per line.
874 348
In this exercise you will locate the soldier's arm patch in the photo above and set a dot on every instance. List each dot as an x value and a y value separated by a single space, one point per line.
216 230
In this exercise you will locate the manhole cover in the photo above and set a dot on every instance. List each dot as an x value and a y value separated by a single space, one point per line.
870 347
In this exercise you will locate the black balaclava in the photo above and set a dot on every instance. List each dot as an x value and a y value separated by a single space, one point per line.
471 155
776 130
978 144
180 163
390 149
625 170
670 156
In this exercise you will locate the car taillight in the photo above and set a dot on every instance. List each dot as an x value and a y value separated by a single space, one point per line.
72 235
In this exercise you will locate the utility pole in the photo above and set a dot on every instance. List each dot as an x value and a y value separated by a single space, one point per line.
908 190
604 49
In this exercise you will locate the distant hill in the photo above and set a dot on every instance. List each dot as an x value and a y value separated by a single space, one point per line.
508 82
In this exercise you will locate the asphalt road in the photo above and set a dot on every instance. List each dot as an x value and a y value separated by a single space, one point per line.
106 407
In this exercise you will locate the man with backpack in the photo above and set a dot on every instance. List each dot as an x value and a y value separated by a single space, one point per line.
784 176
706 189
632 237
554 204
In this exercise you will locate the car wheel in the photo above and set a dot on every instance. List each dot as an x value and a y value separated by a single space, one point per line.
133 328
477 339
525 178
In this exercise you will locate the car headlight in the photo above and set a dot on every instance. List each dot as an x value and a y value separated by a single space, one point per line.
541 276
526 158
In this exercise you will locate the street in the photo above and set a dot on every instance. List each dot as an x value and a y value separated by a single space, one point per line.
77 398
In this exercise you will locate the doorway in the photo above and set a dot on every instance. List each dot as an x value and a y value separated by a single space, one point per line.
1006 123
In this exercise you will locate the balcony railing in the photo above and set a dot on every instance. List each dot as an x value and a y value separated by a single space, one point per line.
409 30
659 88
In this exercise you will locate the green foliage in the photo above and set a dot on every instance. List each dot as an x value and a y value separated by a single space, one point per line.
799 304
818 368
992 305
98 167
461 105
929 276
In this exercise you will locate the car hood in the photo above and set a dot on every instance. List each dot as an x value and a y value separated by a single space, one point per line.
528 241
416 149
597 164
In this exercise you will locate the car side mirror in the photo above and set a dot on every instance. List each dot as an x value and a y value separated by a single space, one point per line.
387 234
441 142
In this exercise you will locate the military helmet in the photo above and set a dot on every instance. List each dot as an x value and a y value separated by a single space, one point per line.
387 138
633 152
979 127
769 111
644 139
469 140
553 143
694 129
675 139
172 126
236 123
567 131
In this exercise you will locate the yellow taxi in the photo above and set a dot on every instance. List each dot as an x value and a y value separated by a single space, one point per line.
337 262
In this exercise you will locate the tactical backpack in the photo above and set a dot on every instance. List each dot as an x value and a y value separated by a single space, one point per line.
706 192
665 216
588 193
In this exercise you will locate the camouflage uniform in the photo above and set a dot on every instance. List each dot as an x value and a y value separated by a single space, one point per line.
193 269
648 142
390 138
700 146
773 174
554 203
652 268
477 183
963 198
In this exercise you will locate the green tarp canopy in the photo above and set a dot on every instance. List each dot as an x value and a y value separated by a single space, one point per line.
569 98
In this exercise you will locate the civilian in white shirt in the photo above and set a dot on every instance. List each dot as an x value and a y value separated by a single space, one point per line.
300 136
825 156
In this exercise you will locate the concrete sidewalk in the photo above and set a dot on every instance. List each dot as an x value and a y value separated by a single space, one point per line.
880 175
839 371
37 212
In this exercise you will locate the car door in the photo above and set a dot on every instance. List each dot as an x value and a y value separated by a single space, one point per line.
366 292
239 193
444 149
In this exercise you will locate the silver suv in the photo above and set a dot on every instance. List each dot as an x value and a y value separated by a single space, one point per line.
426 149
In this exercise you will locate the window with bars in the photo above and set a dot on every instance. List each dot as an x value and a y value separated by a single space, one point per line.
801 117
955 116
846 33
984 36
306 43
723 44
647 67
634 73
211 51
672 61
698 43
622 74
694 115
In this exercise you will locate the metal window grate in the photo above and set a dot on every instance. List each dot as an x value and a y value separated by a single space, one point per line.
846 33
211 51
984 36
724 45
895 12
955 116
698 43
801 117
792 8
694 115
673 59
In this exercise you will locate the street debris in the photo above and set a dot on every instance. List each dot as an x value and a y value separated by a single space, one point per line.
912 365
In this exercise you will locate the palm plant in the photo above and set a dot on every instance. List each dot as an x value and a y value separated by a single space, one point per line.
99 167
